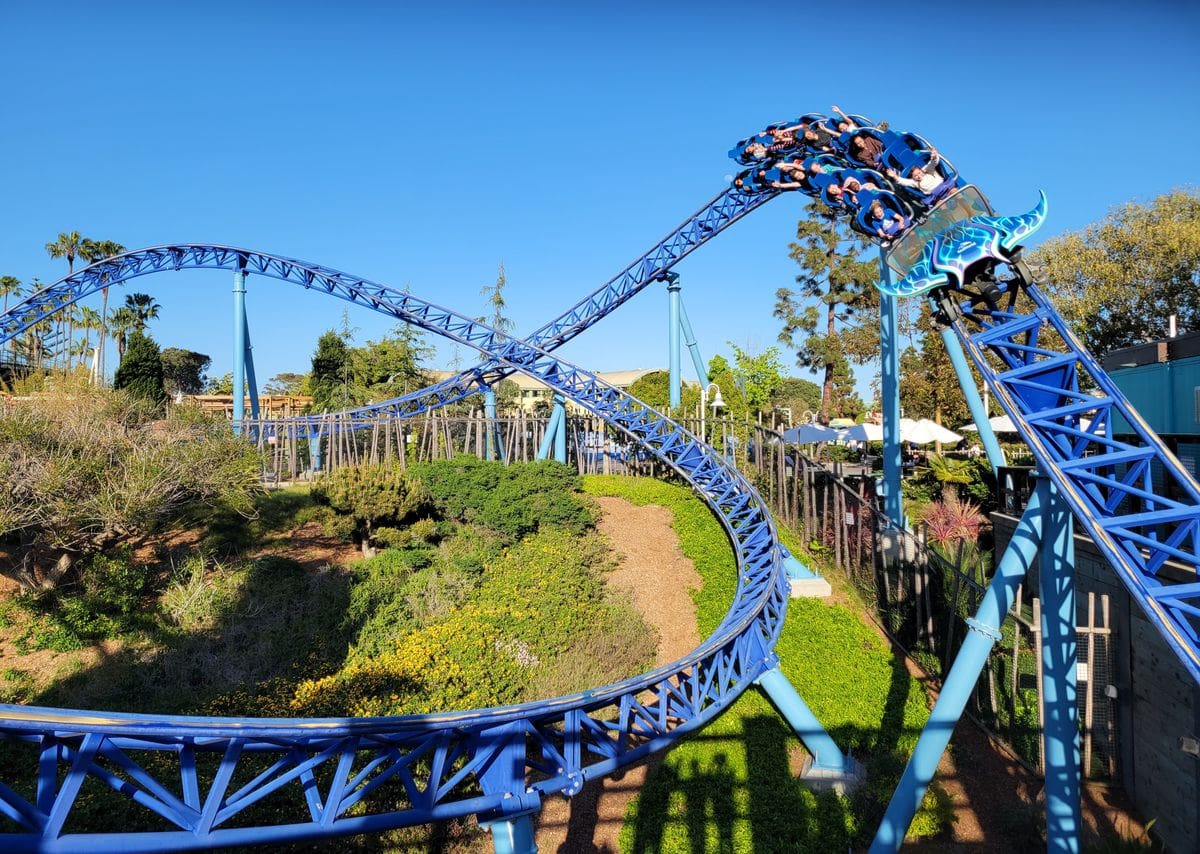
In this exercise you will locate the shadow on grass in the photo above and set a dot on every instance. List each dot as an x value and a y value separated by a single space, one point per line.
739 793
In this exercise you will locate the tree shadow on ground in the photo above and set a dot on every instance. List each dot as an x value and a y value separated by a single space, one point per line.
744 798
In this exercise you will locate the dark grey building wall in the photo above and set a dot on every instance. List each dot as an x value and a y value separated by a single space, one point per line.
1158 705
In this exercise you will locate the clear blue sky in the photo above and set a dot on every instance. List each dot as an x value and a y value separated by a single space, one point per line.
420 145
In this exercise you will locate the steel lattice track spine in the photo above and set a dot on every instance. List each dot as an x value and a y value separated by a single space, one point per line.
724 210
1108 482
547 746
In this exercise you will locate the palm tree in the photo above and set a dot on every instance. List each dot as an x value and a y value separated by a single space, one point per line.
143 307
67 246
10 286
89 319
122 321
93 251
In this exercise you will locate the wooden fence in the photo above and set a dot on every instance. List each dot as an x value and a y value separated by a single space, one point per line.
921 593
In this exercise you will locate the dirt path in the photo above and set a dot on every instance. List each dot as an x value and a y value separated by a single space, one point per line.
658 577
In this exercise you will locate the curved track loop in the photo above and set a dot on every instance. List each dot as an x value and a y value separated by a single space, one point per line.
710 220
373 773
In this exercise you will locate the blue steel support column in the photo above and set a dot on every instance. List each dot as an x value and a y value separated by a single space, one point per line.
689 338
489 412
673 287
1061 732
889 355
560 435
251 383
551 430
984 631
239 348
314 449
971 392
825 753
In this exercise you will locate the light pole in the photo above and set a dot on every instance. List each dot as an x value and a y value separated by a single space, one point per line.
718 402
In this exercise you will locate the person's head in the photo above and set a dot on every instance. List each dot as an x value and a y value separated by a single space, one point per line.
835 192
916 173
858 143
843 125
876 209
814 168
756 150
852 185
810 135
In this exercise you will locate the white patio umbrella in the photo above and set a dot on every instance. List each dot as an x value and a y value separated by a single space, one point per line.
863 433
925 431
807 434
1000 424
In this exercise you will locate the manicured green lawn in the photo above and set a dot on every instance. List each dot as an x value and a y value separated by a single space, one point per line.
732 786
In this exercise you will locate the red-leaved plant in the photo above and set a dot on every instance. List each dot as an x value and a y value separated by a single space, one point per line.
952 519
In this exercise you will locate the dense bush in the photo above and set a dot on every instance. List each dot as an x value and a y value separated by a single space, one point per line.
371 494
539 601
85 470
515 500
141 370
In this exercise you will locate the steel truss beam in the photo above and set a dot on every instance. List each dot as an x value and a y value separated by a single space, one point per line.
355 775
1132 496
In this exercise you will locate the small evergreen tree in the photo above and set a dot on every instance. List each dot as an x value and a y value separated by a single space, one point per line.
329 380
141 370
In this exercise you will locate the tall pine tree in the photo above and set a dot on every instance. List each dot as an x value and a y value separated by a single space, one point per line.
830 321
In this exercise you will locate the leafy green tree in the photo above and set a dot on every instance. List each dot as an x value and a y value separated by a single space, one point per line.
330 377
183 370
758 375
141 370
66 246
1119 280
221 385
828 322
285 383
798 395
928 385
654 389
387 368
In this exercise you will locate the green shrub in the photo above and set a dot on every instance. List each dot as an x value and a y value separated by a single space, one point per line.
141 370
84 472
370 495
515 500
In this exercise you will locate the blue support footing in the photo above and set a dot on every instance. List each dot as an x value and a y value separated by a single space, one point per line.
825 753
1059 685
984 631
512 835
673 331
974 402
239 348
889 356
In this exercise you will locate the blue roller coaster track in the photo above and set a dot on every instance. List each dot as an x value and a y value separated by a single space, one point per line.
199 778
